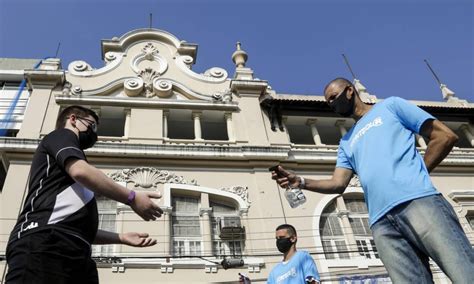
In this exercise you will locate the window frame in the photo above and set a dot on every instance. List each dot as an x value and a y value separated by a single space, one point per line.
187 241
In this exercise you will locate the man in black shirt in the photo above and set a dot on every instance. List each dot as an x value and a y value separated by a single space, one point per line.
51 242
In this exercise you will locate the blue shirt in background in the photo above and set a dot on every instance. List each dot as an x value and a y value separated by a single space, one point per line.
300 267
380 148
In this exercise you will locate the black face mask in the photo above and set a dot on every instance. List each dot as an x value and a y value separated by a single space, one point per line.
284 245
87 138
342 105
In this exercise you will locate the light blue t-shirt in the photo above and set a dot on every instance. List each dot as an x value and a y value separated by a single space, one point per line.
300 267
380 148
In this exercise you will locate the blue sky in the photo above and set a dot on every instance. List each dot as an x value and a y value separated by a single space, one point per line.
295 45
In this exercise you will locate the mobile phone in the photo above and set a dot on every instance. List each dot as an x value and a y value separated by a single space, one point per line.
273 169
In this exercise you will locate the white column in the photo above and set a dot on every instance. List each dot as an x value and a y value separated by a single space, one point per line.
126 129
420 141
246 225
197 125
314 131
470 136
167 230
230 128
206 230
165 123
346 226
342 128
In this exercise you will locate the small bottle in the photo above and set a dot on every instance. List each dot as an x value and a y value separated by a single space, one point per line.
295 196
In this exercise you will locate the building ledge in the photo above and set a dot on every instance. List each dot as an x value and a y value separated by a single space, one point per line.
295 153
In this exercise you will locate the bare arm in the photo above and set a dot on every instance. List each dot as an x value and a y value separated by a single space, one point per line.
441 141
97 181
131 239
336 185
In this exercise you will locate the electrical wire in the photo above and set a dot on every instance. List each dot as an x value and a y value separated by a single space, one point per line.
281 203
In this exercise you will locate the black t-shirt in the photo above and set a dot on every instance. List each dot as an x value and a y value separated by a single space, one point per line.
54 199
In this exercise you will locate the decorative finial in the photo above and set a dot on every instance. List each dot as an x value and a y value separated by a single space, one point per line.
239 56
448 95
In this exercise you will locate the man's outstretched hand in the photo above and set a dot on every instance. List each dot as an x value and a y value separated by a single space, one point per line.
135 239
144 206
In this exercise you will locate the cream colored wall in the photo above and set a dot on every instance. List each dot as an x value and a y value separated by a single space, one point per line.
35 113
253 123
146 126
11 198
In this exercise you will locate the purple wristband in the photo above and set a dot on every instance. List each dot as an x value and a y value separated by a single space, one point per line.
131 197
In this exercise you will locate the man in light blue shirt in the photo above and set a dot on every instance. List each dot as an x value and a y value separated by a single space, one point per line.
297 267
410 220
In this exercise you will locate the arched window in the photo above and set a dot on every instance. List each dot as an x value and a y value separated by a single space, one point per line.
230 243
186 227
205 221
332 234
359 220
344 228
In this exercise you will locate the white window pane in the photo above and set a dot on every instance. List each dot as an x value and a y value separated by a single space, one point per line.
184 226
363 248
374 249
328 250
222 208
342 249
185 204
355 205
331 226
357 227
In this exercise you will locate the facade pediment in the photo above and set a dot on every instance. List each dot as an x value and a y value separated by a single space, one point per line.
148 63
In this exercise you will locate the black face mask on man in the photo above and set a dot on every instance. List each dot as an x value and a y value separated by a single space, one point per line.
342 105
87 138
284 245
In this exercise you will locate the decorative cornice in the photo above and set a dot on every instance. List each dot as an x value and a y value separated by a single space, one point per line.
343 213
149 103
210 76
147 177
124 42
317 154
241 191
203 211
44 78
80 68
248 87
462 196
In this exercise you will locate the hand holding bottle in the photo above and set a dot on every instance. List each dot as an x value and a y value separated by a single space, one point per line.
291 182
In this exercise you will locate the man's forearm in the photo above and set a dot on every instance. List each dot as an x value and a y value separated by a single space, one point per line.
325 186
436 151
97 181
106 237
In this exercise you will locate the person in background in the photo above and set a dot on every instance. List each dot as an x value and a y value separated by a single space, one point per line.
51 241
297 266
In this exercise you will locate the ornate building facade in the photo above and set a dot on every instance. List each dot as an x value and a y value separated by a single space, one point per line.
205 141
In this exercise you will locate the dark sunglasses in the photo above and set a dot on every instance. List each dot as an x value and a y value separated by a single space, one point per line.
92 123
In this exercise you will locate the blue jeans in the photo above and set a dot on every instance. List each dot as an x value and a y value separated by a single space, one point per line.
414 231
